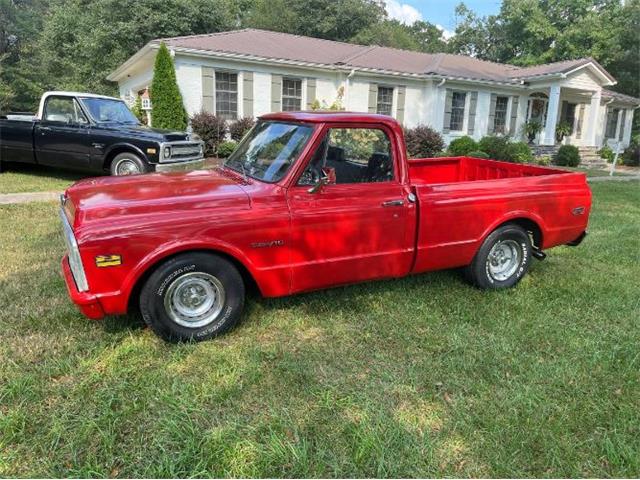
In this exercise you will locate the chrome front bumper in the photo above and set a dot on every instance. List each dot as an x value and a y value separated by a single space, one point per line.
180 165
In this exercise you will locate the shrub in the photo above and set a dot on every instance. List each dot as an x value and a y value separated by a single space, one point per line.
567 156
495 147
240 127
226 148
441 154
167 109
477 154
631 156
543 160
607 153
211 129
519 152
136 109
462 146
423 141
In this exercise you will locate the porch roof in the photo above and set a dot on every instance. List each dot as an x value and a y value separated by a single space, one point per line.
621 97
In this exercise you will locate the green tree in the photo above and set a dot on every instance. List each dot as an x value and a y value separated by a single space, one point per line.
330 19
6 94
81 42
167 108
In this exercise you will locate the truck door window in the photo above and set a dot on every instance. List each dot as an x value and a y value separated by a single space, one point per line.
354 155
63 110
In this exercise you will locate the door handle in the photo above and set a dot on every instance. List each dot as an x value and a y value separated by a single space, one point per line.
393 203
45 129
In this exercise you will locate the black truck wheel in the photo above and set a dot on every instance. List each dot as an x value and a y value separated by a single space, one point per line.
192 297
128 164
502 260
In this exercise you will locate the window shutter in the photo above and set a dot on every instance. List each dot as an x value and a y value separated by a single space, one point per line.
623 118
492 114
580 120
311 92
514 115
471 122
447 110
373 98
207 89
276 93
247 94
402 92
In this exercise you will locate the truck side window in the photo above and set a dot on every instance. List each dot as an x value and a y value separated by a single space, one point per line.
356 155
63 110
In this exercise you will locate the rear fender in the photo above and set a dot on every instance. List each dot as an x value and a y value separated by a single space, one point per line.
511 216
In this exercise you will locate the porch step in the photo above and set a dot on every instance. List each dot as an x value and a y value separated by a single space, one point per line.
544 150
589 157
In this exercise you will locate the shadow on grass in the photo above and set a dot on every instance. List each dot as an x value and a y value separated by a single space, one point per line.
45 172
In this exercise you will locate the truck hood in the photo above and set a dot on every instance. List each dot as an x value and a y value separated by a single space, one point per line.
142 131
155 196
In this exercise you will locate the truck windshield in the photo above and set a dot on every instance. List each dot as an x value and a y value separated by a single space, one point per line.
105 110
267 152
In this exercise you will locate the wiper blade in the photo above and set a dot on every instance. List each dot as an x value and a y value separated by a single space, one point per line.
244 171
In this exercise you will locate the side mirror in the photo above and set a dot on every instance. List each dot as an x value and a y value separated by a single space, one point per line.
318 186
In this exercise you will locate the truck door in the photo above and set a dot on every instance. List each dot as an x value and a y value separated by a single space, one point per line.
354 227
61 137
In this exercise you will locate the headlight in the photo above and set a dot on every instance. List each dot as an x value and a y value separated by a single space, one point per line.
75 262
166 153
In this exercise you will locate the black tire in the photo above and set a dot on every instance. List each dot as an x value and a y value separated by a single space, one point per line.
162 288
130 159
482 272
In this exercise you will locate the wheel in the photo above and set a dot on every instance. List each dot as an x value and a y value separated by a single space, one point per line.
502 260
128 164
192 297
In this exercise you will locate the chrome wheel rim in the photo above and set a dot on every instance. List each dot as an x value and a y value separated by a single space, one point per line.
127 167
195 299
503 259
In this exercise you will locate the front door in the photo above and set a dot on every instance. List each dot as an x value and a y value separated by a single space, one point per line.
61 137
354 227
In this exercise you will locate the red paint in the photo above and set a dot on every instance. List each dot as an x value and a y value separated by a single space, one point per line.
290 240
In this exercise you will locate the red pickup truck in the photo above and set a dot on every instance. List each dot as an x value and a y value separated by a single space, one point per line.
306 201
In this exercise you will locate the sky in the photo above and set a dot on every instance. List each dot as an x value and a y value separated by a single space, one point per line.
439 12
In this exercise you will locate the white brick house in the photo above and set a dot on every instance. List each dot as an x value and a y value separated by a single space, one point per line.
252 72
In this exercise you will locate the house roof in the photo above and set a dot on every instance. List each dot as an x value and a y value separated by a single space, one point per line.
621 97
257 44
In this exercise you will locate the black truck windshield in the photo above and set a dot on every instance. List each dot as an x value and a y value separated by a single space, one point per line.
267 152
105 110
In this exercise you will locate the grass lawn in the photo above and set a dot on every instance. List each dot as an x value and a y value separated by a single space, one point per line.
16 178
423 376
597 172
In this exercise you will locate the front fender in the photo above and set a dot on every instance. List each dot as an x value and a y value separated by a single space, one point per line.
116 148
167 250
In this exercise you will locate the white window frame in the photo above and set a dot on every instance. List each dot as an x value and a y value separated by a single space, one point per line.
507 115
303 87
238 92
465 113
393 112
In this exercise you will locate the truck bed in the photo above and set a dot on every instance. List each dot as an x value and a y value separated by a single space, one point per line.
462 199
432 171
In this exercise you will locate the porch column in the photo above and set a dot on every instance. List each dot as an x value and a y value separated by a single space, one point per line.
594 117
552 116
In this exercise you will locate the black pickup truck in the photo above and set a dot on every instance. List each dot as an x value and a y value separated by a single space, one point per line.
93 133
